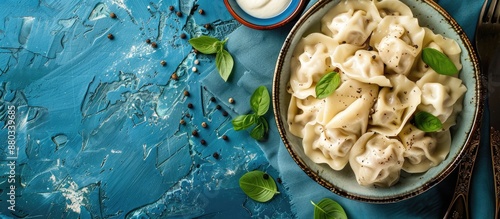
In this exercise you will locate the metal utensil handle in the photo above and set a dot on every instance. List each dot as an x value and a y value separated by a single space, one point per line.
495 158
459 207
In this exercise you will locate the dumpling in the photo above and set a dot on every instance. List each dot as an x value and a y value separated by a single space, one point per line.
349 106
376 160
442 96
443 44
350 22
395 106
301 112
362 65
398 39
330 146
310 61
423 150
393 8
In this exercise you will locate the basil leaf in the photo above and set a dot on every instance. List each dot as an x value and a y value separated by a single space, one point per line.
427 122
260 100
224 63
438 61
258 187
327 208
260 130
205 44
327 85
242 122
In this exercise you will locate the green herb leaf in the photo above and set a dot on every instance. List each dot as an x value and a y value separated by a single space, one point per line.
328 209
205 44
260 130
224 63
258 187
242 122
427 122
438 61
327 85
260 100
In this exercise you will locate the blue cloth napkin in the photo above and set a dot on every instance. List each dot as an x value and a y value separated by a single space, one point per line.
255 54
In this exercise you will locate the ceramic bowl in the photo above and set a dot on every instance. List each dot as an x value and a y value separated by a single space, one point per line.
290 13
343 182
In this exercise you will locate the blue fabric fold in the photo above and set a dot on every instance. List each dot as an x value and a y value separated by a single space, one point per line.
256 53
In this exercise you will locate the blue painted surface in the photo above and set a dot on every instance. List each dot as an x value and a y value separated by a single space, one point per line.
97 120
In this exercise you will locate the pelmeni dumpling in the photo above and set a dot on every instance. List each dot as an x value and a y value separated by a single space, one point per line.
393 8
362 65
301 112
443 44
398 39
423 150
350 22
311 60
395 106
442 96
377 160
330 146
348 108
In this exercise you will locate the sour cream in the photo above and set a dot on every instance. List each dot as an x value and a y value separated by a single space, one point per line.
263 8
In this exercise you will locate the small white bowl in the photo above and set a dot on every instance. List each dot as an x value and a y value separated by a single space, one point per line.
289 14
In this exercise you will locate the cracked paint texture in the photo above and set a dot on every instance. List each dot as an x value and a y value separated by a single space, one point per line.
97 120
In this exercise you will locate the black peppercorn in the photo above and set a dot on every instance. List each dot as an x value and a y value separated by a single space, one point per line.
154 45
148 41
216 155
224 113
203 142
212 99
265 176
171 8
163 63
186 93
179 14
190 105
201 11
208 26
112 15
110 36
194 133
183 36
218 107
174 76
225 137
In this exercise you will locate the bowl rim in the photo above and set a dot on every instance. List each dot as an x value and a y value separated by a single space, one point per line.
298 10
472 137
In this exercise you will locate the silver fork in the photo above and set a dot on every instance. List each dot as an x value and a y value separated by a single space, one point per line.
487 44
487 39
